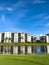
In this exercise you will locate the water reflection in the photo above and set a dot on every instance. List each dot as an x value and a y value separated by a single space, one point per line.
24 49
41 49
38 49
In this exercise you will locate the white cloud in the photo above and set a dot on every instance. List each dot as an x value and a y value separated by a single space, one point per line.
15 6
43 19
42 16
16 29
9 9
47 25
41 35
6 8
1 8
18 4
3 17
12 7
39 15
20 14
46 17
38 1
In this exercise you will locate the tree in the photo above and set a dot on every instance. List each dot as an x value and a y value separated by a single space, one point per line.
43 39
7 39
34 39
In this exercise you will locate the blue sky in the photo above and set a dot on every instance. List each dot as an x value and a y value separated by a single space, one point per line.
31 16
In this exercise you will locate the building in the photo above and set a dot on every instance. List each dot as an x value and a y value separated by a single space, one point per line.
29 38
6 37
21 37
15 37
43 39
47 38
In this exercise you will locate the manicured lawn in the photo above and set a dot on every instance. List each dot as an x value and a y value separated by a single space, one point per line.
35 59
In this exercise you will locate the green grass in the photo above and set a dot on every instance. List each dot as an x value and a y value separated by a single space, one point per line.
24 44
35 59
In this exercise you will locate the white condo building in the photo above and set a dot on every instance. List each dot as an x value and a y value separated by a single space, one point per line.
7 36
29 38
15 37
47 40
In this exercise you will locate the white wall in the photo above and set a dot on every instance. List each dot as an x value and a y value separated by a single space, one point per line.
16 37
47 39
22 37
8 35
28 38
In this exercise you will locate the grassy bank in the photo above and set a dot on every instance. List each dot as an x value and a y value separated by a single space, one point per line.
24 44
37 59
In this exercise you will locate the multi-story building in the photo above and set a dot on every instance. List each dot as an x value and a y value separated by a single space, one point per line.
29 38
23 37
43 39
15 37
7 36
47 38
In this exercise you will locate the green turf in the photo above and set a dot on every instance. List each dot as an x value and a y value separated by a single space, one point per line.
35 59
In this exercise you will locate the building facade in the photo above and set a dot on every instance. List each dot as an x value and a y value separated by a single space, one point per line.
15 37
47 38
29 38
43 39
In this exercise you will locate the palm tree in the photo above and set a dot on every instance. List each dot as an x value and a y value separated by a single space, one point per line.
34 39
6 39
9 39
43 39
